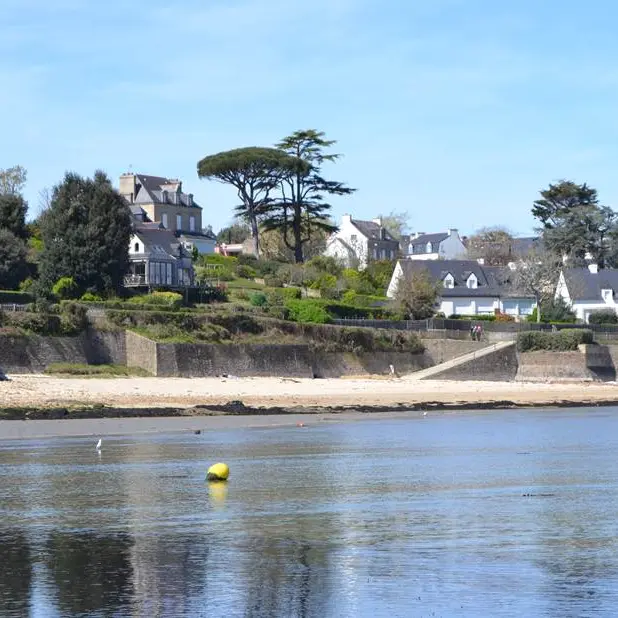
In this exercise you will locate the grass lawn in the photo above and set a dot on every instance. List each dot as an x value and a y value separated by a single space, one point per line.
93 371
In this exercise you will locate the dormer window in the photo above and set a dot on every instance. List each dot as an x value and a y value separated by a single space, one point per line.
449 281
472 282
608 295
428 248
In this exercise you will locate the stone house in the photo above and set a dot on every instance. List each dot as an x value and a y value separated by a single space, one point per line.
467 287
161 200
357 242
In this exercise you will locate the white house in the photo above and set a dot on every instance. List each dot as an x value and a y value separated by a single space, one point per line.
586 290
358 242
440 246
467 287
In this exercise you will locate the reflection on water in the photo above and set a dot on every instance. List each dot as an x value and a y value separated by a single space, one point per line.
500 514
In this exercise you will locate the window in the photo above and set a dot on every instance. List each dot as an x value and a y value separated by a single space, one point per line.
428 248
607 295
472 281
449 282
353 238
192 224
179 222
136 247
164 220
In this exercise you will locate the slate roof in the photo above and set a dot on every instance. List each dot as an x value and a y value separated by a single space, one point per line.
492 281
371 230
159 241
584 285
149 190
423 239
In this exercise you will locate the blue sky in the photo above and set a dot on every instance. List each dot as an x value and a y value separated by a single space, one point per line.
457 111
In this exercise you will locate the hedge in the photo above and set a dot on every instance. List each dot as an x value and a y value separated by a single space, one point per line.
560 341
603 316
308 310
11 297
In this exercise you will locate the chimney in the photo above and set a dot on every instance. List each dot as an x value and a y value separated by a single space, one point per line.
418 234
190 199
346 219
452 231
127 186
378 221
593 268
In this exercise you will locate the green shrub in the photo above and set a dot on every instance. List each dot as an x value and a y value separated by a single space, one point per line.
89 297
65 288
559 341
279 312
272 282
167 299
258 299
244 272
26 284
307 310
222 260
9 297
73 317
278 296
603 316
556 311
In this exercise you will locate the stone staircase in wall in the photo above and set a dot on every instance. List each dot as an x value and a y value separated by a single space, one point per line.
497 361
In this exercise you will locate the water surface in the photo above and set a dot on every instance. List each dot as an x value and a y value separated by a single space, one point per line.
475 514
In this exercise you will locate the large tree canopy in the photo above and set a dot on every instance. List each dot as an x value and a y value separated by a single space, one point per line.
13 209
493 245
12 180
302 208
86 232
13 265
254 172
574 225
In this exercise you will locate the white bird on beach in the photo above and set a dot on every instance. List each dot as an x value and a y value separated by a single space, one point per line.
99 444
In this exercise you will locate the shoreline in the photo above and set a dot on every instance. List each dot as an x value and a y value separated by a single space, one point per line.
46 397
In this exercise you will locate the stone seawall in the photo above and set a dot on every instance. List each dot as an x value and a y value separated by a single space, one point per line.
300 361
141 352
496 366
553 366
33 353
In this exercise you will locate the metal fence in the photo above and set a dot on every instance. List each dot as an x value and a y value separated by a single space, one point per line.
13 307
465 325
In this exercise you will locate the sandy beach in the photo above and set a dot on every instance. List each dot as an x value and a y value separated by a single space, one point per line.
46 391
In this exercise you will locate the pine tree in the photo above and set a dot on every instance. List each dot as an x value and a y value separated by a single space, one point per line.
86 233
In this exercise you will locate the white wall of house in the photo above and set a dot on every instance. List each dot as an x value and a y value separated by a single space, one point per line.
451 248
348 244
135 245
392 286
583 308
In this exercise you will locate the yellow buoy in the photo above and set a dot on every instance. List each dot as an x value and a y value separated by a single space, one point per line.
218 472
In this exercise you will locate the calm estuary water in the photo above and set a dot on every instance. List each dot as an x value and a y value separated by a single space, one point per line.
474 514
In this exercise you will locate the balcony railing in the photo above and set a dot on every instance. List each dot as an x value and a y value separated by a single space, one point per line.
134 280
